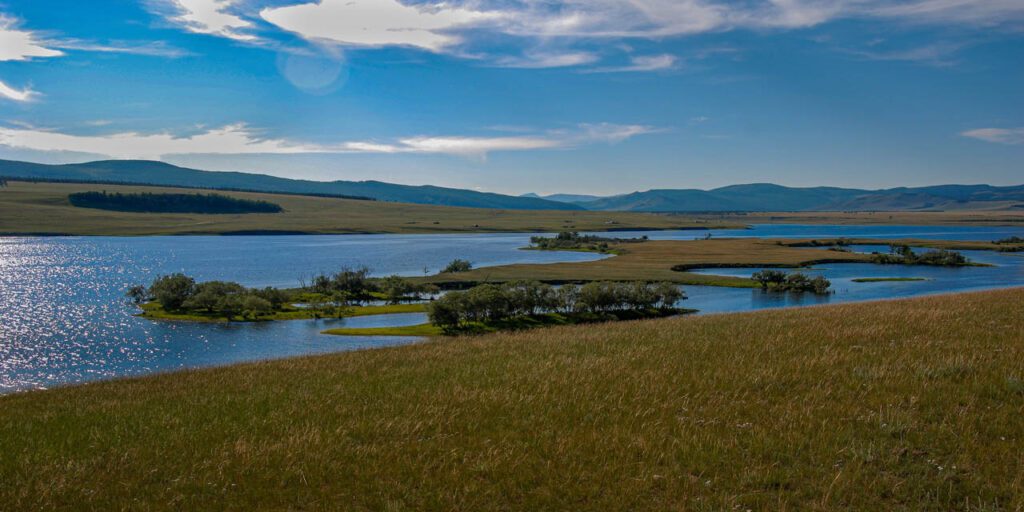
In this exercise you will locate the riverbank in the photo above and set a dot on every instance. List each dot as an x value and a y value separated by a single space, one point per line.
890 403
154 311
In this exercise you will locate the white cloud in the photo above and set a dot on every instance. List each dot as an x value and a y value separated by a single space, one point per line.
1012 136
548 60
211 17
642 63
20 95
375 23
17 44
146 48
240 139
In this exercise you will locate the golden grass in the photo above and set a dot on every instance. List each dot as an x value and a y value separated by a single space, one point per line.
654 261
905 405
43 208
1014 217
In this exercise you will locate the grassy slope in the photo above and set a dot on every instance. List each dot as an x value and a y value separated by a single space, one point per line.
1013 217
653 261
907 405
44 208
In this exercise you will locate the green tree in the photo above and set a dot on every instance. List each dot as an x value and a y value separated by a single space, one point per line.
254 306
173 290
457 265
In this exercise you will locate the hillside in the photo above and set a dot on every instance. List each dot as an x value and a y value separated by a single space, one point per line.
44 208
766 197
159 173
903 405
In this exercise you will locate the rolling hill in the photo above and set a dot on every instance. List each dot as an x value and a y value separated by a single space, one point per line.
159 173
764 197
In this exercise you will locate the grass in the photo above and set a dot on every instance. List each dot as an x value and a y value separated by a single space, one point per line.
903 405
43 208
887 279
998 217
661 260
154 311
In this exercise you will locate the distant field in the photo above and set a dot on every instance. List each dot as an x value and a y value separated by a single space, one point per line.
43 208
904 405
1014 217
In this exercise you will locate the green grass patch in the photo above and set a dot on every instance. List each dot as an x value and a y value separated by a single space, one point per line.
408 330
887 279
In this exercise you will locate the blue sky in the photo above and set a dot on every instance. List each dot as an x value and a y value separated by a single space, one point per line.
514 96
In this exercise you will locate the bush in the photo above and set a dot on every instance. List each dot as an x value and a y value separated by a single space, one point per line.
457 265
777 280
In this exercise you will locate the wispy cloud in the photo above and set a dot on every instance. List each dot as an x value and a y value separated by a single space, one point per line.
641 63
17 44
146 48
19 95
548 60
240 139
1013 136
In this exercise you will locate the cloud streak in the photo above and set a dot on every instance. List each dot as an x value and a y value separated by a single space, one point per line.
1012 136
213 17
240 139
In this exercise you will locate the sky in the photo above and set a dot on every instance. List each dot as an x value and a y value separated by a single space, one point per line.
515 96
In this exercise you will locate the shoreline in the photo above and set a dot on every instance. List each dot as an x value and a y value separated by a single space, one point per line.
419 340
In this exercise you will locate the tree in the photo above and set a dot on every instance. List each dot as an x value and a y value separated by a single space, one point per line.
138 294
668 294
446 312
769 278
172 291
457 265
396 288
255 306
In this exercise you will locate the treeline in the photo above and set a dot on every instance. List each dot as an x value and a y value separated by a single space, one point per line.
6 179
571 240
904 255
491 303
171 203
1010 240
777 280
354 286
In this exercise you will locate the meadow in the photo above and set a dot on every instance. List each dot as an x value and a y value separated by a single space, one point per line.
43 208
904 405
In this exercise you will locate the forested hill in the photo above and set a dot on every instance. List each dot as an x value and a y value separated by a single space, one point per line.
159 173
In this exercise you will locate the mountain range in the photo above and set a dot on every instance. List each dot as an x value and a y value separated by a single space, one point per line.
755 197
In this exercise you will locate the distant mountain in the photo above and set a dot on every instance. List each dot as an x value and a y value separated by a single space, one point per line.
565 198
768 197
159 173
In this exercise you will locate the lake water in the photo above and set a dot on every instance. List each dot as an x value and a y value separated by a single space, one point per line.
63 317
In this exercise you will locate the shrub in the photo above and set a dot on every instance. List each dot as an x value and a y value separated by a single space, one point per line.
457 265
172 291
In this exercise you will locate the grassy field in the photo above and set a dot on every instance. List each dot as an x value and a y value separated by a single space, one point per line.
906 405
43 208
1013 217
655 260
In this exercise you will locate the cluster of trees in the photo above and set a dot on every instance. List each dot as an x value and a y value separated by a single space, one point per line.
497 302
904 255
571 240
354 285
171 203
181 293
777 280
1010 240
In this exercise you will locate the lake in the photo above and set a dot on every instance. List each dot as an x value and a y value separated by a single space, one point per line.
64 319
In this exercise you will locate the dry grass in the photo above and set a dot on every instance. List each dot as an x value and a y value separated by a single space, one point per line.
31 208
907 405
655 260
1004 217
